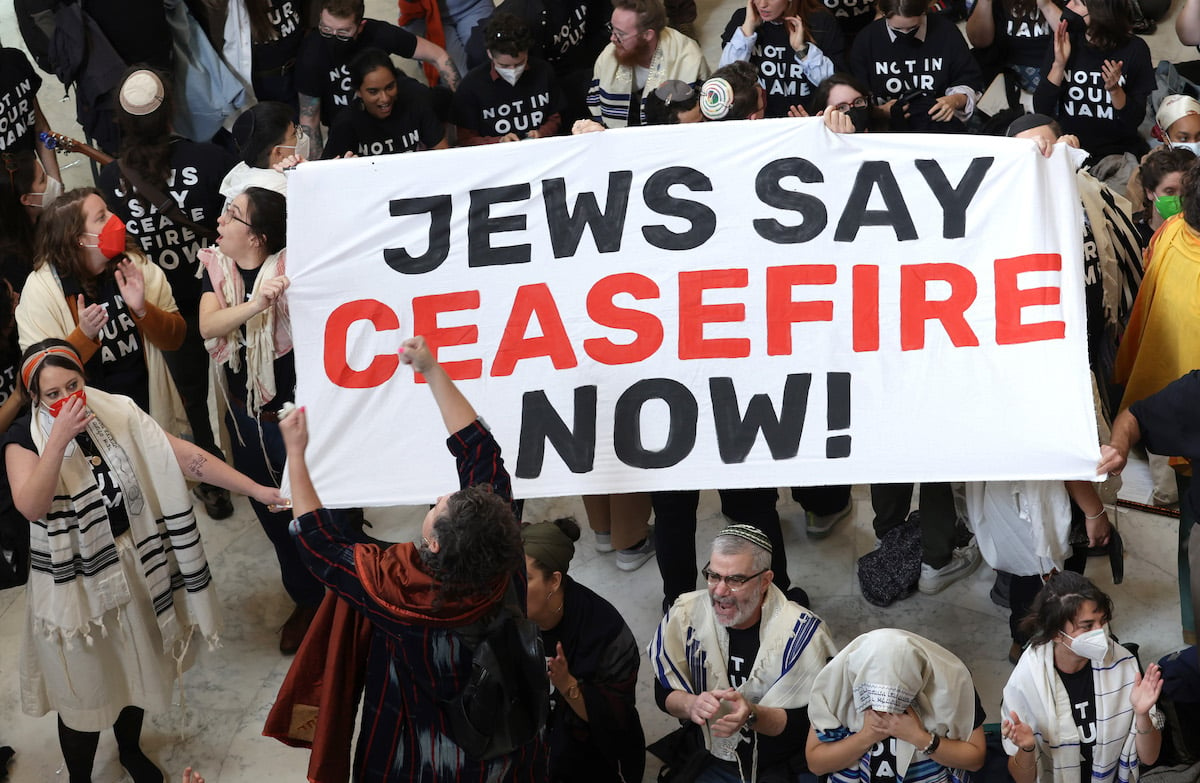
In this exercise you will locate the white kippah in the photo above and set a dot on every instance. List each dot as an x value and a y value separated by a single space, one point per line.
141 93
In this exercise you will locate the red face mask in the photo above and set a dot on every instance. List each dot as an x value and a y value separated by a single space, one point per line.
111 239
56 407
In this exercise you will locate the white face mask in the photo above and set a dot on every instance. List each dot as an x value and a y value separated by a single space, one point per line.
300 148
53 190
1092 644
1194 146
511 75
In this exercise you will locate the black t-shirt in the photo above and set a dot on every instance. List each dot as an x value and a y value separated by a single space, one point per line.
852 15
411 126
1025 38
285 366
110 490
894 68
1169 421
322 66
569 35
883 754
19 84
491 106
137 29
286 22
119 366
780 75
10 361
1081 692
194 182
1084 108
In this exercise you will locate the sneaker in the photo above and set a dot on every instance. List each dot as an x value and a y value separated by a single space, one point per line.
635 557
934 580
603 542
821 525
216 501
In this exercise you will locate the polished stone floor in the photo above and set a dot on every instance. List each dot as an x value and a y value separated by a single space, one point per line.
217 727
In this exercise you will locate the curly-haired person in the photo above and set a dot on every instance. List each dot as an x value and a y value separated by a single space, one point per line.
419 602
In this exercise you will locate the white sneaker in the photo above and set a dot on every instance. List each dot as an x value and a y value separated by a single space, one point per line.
603 542
962 563
822 525
635 557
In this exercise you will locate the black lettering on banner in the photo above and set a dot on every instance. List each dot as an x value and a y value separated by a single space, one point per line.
540 422
954 200
658 198
439 209
769 187
874 174
837 414
481 226
736 434
627 423
607 226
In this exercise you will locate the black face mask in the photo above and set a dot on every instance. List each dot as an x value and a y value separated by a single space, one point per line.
907 36
1076 25
861 117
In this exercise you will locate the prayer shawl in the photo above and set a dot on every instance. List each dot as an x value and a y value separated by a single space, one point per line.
677 57
888 670
1118 246
1037 694
76 577
43 313
1023 527
268 334
690 651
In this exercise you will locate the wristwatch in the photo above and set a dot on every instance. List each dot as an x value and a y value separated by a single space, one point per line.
753 719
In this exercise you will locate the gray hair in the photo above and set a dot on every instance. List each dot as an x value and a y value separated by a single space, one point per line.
736 545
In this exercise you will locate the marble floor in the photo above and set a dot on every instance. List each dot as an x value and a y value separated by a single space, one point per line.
217 727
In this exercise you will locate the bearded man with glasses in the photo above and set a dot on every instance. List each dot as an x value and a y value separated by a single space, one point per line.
738 660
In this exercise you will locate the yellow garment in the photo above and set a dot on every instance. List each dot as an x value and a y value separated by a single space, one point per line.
1162 341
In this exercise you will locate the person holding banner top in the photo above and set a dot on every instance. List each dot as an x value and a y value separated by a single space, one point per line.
793 44
406 609
120 593
391 113
247 330
919 67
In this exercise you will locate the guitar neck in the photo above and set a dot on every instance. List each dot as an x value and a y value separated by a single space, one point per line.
65 144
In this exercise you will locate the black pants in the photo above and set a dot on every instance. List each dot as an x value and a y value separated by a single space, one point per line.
822 501
1023 589
189 369
936 505
675 533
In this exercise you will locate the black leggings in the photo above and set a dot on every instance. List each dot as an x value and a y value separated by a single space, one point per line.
79 749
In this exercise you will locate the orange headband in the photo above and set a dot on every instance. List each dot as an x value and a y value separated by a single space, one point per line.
34 362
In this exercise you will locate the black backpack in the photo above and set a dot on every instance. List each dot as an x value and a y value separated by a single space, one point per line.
35 18
506 700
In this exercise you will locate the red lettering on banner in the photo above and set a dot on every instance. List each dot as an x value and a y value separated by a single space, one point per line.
915 309
337 366
694 314
425 322
783 311
1010 299
647 328
865 284
554 343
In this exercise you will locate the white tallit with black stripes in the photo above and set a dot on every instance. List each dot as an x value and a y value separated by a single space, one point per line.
75 577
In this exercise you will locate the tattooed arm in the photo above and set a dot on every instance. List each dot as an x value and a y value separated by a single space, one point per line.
310 119
197 464
429 52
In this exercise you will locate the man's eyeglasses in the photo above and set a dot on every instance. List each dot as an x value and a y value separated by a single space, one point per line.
620 35
329 32
857 103
734 582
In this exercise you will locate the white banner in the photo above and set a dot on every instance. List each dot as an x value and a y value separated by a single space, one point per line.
717 305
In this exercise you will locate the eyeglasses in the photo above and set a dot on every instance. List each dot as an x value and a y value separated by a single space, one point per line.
229 213
620 35
329 32
734 582
857 103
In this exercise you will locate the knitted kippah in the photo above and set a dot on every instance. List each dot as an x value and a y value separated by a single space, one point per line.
716 98
750 533
141 93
